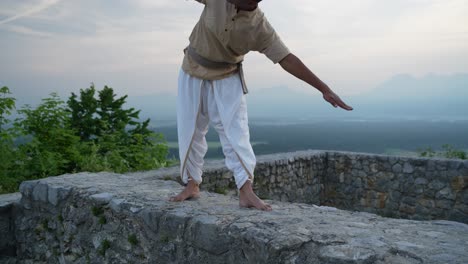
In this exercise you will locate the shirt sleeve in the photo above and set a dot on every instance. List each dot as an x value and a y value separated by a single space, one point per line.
270 43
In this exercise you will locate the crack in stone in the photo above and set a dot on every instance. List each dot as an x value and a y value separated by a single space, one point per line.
400 252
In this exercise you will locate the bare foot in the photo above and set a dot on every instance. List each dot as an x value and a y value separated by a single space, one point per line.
191 191
247 198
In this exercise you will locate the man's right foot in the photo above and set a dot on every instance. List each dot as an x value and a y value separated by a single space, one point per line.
191 191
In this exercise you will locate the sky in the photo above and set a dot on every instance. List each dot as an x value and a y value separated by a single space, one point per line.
135 46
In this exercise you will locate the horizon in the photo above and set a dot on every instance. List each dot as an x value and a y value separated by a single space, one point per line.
403 97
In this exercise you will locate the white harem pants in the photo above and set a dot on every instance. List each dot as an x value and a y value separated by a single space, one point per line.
223 104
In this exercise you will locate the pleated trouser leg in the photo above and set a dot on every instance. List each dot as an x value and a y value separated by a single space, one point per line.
223 104
192 127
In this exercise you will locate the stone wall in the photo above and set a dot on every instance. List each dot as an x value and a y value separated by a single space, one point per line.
414 188
289 177
8 213
393 186
75 218
114 218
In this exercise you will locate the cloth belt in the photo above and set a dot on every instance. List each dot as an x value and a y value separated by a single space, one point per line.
217 65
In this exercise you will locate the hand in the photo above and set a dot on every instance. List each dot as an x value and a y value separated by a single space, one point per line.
335 100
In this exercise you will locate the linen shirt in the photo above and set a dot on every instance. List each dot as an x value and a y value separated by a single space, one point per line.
226 34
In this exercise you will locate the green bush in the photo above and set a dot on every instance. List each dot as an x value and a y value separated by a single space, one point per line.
90 132
448 152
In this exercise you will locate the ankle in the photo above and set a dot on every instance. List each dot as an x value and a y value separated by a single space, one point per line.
246 187
192 183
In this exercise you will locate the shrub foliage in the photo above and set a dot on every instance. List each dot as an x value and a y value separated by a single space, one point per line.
92 132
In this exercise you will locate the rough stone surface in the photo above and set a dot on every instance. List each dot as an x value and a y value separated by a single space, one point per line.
356 181
74 218
7 226
213 229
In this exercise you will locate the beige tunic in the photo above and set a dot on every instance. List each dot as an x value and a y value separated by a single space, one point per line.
226 34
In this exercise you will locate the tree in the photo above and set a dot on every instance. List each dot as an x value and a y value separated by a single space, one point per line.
95 117
7 104
54 147
86 134
115 133
8 155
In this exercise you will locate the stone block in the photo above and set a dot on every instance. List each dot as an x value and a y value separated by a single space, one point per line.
436 185
457 215
374 167
207 234
463 197
459 183
445 193
26 187
397 168
431 165
395 195
40 192
393 160
116 204
428 203
346 254
56 194
409 200
420 181
444 204
407 209
454 165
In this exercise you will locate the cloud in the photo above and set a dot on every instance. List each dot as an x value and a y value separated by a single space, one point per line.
36 8
27 31
351 45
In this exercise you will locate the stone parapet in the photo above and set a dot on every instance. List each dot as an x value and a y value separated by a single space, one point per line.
113 218
401 187
392 186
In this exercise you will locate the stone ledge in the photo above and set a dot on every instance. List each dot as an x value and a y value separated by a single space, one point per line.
213 229
8 206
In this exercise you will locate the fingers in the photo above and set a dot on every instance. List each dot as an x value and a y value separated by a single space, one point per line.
336 101
344 106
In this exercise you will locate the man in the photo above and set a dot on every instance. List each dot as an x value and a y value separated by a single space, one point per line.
211 88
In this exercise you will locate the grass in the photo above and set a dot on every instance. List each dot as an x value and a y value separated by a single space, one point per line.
164 238
415 154
105 245
221 190
132 239
97 210
102 220
60 218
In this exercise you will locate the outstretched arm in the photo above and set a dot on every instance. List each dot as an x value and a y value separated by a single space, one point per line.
294 66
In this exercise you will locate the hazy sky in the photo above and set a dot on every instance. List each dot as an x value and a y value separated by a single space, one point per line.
135 46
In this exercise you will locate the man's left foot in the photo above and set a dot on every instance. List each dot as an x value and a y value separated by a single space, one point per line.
248 199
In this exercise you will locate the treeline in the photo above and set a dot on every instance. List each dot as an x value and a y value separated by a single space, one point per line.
410 138
89 132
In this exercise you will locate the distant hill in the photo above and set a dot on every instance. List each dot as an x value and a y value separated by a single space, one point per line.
401 97
431 95
428 88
